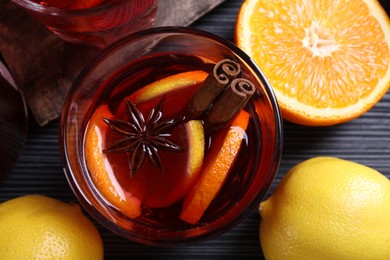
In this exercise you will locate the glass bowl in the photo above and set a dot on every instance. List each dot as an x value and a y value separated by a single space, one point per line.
126 66
96 26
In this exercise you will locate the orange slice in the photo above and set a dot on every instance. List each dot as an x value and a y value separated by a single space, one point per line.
327 61
215 171
100 169
168 84
176 89
196 146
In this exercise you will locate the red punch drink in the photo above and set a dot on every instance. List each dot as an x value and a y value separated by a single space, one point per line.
93 22
175 143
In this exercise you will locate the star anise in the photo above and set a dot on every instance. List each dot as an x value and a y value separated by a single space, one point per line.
142 137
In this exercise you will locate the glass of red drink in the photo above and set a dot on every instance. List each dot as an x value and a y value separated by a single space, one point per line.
92 22
146 161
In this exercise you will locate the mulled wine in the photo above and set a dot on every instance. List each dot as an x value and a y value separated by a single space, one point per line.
93 22
171 145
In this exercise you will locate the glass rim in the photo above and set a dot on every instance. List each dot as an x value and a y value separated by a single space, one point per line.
54 11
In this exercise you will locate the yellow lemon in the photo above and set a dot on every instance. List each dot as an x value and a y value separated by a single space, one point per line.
327 208
38 227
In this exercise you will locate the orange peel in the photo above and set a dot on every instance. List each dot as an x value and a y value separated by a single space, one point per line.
100 169
215 171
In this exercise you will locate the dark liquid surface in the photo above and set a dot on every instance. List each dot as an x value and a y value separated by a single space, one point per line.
149 183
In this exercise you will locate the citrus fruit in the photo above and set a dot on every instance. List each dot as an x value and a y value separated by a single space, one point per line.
195 135
163 86
100 169
39 227
327 208
215 170
177 88
327 61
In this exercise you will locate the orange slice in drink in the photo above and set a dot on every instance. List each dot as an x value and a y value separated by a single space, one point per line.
215 170
176 88
327 61
172 83
196 146
100 169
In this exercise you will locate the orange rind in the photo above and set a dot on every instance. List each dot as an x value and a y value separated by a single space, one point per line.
215 170
196 147
100 169
166 85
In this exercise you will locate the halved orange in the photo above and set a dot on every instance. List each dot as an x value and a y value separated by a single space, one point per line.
328 61
215 170
100 169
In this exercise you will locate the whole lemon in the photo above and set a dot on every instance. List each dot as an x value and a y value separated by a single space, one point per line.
327 208
39 227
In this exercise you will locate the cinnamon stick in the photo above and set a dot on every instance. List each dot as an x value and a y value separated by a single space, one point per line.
230 102
223 73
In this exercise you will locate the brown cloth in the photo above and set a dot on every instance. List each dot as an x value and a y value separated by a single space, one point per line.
44 66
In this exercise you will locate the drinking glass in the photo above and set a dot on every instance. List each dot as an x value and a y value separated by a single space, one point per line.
99 25
100 91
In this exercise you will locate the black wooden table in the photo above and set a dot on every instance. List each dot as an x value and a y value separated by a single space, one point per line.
364 140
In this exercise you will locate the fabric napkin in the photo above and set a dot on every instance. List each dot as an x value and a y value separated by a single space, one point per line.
44 66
